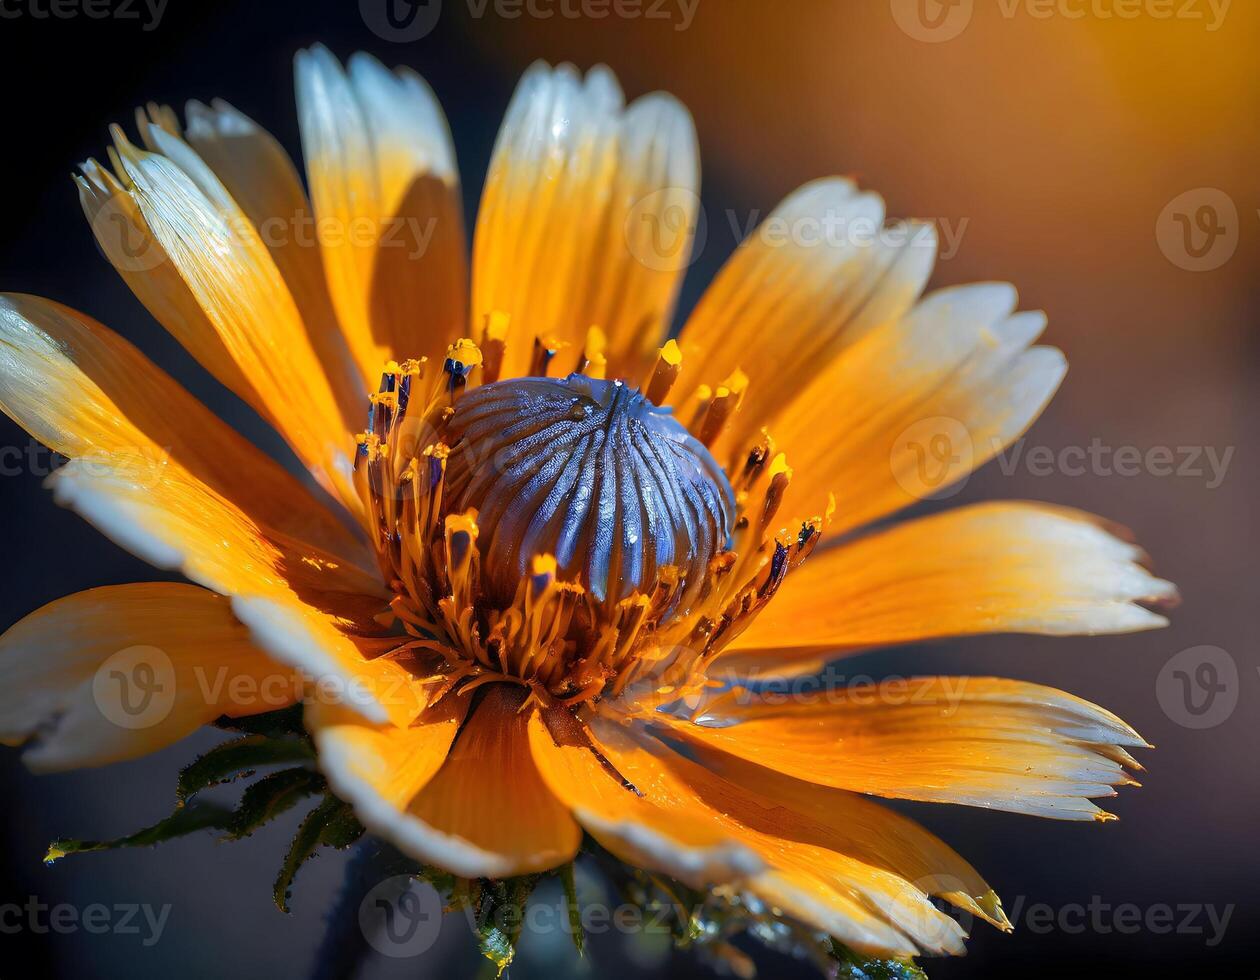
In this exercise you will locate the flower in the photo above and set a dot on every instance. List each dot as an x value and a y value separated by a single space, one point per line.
529 600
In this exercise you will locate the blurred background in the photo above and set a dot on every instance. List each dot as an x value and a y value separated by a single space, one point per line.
1100 154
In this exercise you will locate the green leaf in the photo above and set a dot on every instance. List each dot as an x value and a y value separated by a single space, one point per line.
185 820
331 824
576 929
271 796
240 757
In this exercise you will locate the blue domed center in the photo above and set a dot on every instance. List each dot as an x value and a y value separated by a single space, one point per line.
591 472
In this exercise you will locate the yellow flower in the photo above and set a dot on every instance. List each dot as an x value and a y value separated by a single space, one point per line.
528 597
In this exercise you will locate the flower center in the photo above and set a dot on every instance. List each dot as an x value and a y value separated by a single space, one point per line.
589 472
565 533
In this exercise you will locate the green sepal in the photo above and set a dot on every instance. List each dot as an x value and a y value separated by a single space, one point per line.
855 966
577 930
272 724
240 757
333 824
500 908
185 820
271 796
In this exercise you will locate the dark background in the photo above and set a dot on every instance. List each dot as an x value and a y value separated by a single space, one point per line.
1058 141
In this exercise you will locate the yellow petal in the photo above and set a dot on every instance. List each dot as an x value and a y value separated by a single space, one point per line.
234 280
296 600
381 168
379 769
86 393
117 672
131 247
587 218
978 741
257 172
916 405
650 806
637 811
860 828
489 796
817 274
986 568
480 810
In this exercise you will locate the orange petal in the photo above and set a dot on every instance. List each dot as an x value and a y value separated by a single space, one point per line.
916 405
234 280
380 768
986 568
383 180
257 172
692 824
586 219
480 811
86 393
637 811
978 741
117 672
295 599
817 274
865 830
489 797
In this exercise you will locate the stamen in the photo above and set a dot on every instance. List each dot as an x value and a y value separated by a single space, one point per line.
725 403
665 373
493 344
566 535
545 350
